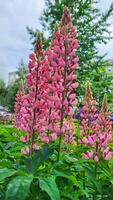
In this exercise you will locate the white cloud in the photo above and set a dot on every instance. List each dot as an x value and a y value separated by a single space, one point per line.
15 15
108 48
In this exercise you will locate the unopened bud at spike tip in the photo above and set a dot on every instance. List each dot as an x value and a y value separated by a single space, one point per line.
88 93
56 26
38 45
66 18
104 107
21 88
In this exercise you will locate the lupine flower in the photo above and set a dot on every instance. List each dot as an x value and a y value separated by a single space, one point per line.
63 62
16 120
99 136
51 84
33 110
89 116
59 80
68 134
38 118
104 131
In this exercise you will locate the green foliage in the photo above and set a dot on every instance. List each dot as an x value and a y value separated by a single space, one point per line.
2 92
39 158
4 173
41 176
10 95
10 146
2 86
49 185
18 188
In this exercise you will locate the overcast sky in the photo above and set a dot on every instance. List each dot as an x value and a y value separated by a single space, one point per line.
15 15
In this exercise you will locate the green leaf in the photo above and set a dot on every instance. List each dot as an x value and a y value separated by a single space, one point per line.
49 186
4 173
5 163
18 188
90 173
66 175
38 158
70 159
9 145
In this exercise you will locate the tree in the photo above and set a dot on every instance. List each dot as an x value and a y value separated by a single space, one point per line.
13 89
2 92
21 70
10 95
92 29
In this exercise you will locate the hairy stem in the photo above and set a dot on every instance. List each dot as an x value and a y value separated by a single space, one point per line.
95 172
34 113
84 180
84 185
62 103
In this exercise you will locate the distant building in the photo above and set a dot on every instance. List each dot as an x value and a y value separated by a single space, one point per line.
12 77
110 61
110 68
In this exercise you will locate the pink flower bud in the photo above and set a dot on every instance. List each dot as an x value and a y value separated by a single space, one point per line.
25 151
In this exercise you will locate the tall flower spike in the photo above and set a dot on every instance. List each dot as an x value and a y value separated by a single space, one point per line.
63 63
101 136
88 92
30 111
18 105
51 84
88 115
104 130
104 108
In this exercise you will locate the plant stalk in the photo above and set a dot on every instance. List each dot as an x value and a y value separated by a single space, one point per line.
95 172
34 113
62 108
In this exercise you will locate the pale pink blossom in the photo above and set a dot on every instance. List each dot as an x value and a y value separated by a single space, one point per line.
96 132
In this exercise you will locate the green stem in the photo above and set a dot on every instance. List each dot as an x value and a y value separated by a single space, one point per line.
62 103
34 112
95 173
61 124
84 180
60 145
95 169
84 185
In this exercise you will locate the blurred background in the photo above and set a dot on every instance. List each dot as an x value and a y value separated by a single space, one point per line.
21 20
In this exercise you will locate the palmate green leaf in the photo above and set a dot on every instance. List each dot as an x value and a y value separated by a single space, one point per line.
1 147
66 175
38 158
2 192
70 159
5 163
18 188
9 145
91 176
4 173
49 185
